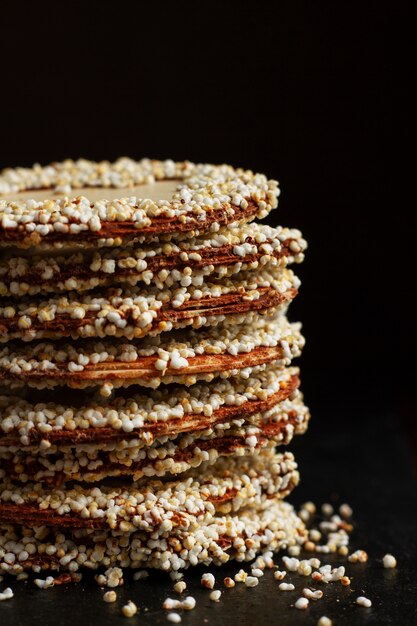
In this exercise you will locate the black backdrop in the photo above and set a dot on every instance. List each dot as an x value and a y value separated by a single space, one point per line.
303 93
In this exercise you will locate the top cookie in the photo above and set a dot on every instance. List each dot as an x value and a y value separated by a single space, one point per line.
111 204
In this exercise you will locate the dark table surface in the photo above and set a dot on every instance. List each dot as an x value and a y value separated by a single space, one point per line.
362 460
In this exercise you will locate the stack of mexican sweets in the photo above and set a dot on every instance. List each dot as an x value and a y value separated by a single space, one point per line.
145 367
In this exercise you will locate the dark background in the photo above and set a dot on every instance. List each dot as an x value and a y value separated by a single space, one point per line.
304 92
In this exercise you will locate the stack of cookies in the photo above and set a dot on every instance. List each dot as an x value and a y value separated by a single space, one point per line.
145 367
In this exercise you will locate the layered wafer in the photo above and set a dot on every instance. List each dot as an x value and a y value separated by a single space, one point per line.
164 411
111 204
176 357
229 511
136 312
164 264
148 455
146 372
